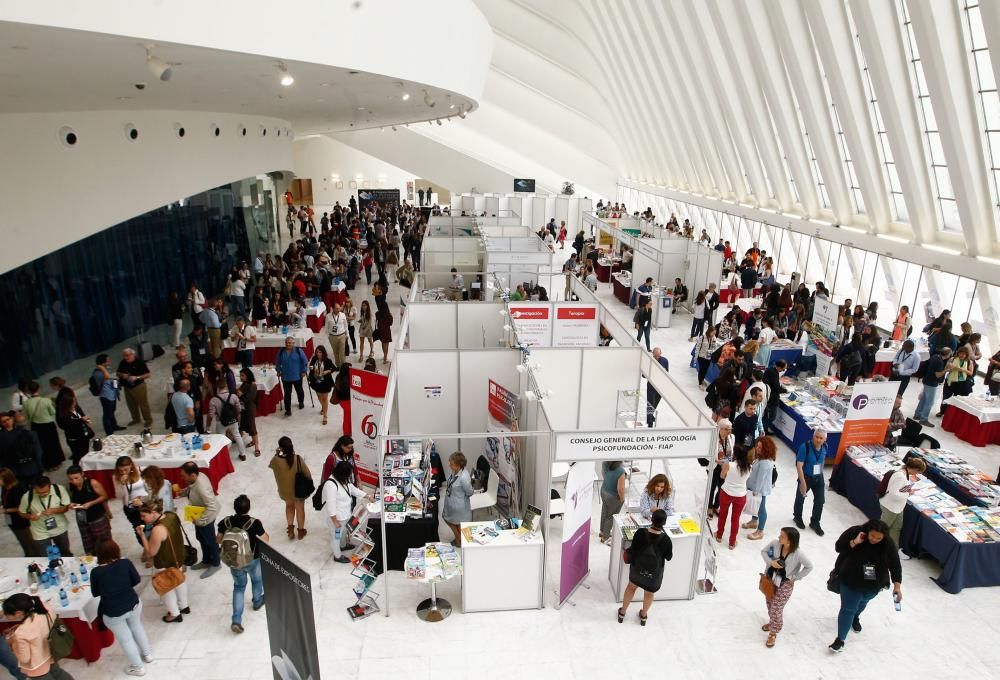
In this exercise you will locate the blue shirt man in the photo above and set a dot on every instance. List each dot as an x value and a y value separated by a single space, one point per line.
809 461
652 396
291 366
905 364
183 406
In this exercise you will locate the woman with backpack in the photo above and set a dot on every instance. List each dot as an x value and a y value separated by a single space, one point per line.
225 408
114 580
649 549
338 492
29 639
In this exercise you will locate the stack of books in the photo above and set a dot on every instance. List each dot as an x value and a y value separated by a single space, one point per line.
972 481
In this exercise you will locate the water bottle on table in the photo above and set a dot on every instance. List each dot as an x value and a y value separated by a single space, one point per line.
84 574
63 599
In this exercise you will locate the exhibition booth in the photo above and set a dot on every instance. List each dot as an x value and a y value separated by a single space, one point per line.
535 419
532 209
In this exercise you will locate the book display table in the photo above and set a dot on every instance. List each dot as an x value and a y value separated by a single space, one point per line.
433 564
502 574
683 531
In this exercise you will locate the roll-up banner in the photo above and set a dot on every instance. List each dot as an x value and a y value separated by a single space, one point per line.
575 326
291 625
868 416
579 501
502 452
367 401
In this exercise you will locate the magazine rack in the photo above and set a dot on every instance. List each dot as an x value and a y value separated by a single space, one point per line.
433 564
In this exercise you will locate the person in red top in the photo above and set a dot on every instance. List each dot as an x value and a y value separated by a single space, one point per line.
562 236
289 199
343 450
727 254
300 288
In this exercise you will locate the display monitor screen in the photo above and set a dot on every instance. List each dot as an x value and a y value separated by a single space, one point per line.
526 185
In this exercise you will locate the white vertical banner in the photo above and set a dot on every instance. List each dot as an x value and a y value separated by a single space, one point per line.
575 326
533 322
579 504
367 401
825 314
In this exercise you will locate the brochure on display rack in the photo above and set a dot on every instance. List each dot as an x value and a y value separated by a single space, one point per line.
405 480
432 563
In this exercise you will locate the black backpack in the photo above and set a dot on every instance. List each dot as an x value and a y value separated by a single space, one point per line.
850 361
95 386
317 498
227 414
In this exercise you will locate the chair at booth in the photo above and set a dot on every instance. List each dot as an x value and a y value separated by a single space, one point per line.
484 498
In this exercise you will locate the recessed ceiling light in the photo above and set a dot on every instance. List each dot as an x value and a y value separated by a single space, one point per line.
286 77
406 95
428 100
353 73
452 106
361 108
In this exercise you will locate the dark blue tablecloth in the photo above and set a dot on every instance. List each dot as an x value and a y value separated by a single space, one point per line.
790 355
963 565
803 433
953 489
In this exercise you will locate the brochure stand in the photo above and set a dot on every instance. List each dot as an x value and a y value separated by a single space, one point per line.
434 563
706 584
364 568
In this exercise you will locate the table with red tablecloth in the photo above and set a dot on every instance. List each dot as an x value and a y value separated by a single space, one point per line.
334 297
726 296
884 357
269 392
269 344
214 462
605 269
316 316
80 615
973 420
622 286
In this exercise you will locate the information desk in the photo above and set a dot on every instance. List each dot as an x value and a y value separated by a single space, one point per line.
269 393
400 537
502 575
963 565
80 614
792 429
269 344
973 419
622 285
168 455
678 573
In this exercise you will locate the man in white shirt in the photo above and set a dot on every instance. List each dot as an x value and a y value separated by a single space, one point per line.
456 286
237 293
590 280
570 269
897 492
335 327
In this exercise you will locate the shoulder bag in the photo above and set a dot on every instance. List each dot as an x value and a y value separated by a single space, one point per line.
60 638
766 586
304 485
171 577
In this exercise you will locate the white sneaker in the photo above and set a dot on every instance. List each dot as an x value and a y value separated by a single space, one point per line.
148 658
903 555
135 670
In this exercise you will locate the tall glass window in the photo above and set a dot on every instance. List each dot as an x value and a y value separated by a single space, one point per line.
947 207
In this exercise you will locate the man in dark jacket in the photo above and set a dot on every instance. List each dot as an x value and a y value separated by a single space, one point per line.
643 321
20 450
772 378
748 279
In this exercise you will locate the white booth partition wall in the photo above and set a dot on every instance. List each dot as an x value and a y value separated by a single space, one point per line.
457 325
430 286
450 225
441 253
704 266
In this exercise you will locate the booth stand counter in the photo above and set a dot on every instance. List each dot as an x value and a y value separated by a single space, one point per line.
678 573
504 574
663 308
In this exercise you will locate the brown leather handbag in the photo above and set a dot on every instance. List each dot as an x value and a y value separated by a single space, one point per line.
171 577
766 586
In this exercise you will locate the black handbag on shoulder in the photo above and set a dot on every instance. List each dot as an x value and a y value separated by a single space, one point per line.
304 485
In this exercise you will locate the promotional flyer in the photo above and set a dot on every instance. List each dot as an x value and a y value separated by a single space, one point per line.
575 326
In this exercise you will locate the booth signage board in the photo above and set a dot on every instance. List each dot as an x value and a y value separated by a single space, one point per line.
291 625
502 452
633 444
647 250
533 322
513 257
367 401
575 326
579 502
382 196
868 415
825 314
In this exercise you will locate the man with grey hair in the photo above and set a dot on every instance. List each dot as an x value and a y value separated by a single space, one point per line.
133 374
809 462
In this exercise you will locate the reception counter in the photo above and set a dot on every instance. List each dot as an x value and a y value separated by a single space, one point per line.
678 573
502 575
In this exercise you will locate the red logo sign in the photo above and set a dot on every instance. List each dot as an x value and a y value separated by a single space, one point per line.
369 427
529 312
576 313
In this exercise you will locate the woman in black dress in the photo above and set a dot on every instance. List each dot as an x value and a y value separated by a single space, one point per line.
383 330
321 378
74 424
248 407
650 548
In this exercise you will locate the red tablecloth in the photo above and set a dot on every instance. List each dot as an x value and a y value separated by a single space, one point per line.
726 296
882 368
333 296
604 272
315 323
622 292
967 427
262 355
220 466
268 402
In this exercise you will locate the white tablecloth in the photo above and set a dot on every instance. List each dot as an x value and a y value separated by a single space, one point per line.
985 411
169 454
889 353
82 605
316 310
301 335
748 304
265 377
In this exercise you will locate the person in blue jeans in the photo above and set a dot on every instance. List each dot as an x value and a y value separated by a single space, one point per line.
9 661
934 373
867 560
107 386
809 461
114 581
291 366
255 533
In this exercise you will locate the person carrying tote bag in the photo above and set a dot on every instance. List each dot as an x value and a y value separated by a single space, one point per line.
165 547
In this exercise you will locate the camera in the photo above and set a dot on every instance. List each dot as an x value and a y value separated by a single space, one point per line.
140 86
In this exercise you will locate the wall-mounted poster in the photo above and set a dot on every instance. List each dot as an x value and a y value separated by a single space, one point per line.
502 452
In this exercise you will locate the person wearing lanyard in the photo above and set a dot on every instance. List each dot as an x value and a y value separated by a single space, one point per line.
809 463
456 286
904 365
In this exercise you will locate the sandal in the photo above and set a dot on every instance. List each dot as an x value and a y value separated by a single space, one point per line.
766 627
302 533
256 453
752 524
621 616
643 618
324 420
755 536
771 639
291 531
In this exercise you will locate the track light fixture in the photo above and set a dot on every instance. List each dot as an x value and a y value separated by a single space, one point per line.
393 128
159 68
461 112
286 77
428 99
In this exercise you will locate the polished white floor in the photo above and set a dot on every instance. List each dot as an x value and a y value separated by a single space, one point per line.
716 636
